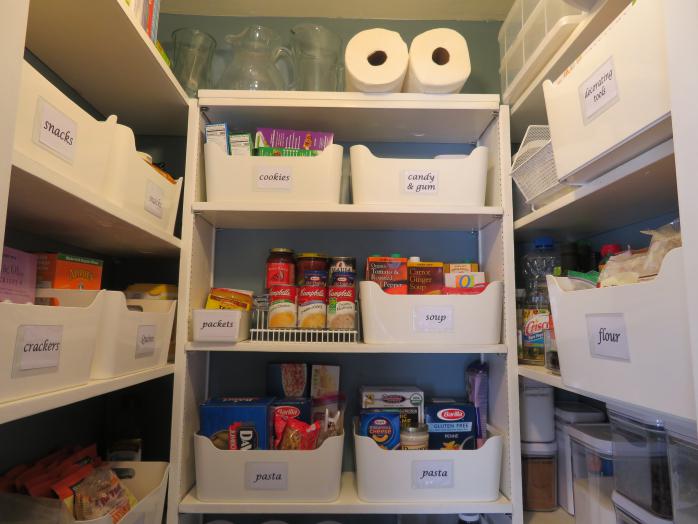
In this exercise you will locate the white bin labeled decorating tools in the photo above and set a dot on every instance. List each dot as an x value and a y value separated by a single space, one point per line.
220 325
459 181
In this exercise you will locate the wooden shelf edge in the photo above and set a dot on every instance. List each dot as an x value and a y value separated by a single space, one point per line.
359 348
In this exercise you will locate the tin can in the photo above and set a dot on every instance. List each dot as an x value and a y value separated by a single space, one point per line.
312 307
341 308
282 306
343 278
341 264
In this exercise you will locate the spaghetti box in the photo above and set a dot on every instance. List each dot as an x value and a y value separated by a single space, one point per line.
453 424
391 397
382 427
251 417
288 380
292 407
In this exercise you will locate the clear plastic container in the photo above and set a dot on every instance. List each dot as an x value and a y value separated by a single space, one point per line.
640 459
539 468
537 408
566 414
592 473
627 512
683 461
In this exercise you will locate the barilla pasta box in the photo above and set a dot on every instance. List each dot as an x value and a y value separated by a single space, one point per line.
292 407
241 423
407 398
453 424
288 380
382 427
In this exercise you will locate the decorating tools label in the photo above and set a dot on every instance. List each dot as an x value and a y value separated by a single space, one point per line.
599 92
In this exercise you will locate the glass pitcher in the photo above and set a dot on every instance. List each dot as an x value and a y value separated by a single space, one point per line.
256 60
317 55
193 54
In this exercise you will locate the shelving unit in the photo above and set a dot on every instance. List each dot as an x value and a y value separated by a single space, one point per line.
560 516
295 347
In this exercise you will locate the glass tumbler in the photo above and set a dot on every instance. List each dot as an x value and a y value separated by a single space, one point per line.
193 54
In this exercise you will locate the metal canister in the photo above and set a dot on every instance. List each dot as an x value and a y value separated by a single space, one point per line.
341 265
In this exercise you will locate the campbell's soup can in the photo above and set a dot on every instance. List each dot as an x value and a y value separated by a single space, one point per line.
341 307
283 299
312 307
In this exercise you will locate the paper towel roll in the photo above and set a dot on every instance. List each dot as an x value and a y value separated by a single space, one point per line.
439 62
375 61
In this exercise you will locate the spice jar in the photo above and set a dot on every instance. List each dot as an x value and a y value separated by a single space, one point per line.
307 262
280 268
414 438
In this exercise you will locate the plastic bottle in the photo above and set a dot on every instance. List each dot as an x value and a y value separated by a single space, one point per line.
541 261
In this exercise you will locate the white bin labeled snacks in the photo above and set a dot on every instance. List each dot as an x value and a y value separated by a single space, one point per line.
273 475
220 325
622 342
456 181
431 475
613 103
45 348
273 179
439 319
148 483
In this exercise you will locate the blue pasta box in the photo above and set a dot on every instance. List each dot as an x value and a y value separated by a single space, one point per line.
240 423
453 424
288 380
383 427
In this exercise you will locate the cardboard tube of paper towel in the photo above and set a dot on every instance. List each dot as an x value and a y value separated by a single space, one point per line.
375 61
439 62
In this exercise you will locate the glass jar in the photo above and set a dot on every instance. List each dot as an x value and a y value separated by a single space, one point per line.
280 268
414 438
306 262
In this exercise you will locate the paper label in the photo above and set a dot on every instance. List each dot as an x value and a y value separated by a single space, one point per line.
38 347
154 196
56 131
432 318
598 92
266 476
420 181
145 341
218 326
274 178
432 474
608 336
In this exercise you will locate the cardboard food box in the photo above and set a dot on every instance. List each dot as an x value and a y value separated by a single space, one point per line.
394 397
453 424
288 380
63 271
17 276
324 381
242 423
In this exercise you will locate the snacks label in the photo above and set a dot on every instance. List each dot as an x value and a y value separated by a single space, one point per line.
56 131
154 197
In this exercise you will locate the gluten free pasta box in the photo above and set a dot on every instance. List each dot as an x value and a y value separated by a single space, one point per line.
453 424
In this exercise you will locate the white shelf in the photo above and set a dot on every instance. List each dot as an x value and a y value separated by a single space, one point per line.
543 375
644 187
357 117
559 516
319 347
25 407
75 215
530 106
97 49
347 503
346 216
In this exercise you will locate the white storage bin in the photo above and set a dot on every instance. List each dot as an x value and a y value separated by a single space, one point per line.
136 186
682 439
428 181
633 364
612 103
627 512
220 325
82 154
64 339
273 179
148 484
438 319
399 475
302 476
536 405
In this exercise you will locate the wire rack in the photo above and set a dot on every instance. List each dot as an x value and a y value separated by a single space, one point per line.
262 333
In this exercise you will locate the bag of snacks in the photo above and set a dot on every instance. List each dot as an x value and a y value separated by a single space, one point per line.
299 435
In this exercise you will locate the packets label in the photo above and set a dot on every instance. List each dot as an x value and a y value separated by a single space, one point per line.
38 347
420 181
56 131
216 325
432 474
274 178
272 476
608 337
145 341
430 319
154 196
598 92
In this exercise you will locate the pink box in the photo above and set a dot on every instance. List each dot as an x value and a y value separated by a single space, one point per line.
292 139
18 276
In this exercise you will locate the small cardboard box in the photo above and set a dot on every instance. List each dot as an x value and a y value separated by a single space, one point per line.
453 424
17 276
390 397
288 380
324 381
254 414
62 271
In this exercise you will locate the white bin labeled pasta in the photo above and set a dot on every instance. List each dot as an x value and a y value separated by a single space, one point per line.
428 475
220 325
456 181
273 475
273 179
445 319
46 348
616 341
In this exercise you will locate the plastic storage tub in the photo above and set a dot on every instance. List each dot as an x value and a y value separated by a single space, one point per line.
46 348
399 475
301 476
220 325
627 512
273 179
640 459
447 181
632 367
683 463
536 406
438 319
539 475
567 413
609 106
592 469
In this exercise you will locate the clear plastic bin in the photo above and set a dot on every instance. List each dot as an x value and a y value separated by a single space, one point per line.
539 469
627 512
592 473
683 461
640 459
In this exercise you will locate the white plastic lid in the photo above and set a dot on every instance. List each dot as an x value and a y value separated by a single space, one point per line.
682 428
528 383
464 517
577 412
414 259
643 416
538 449
641 514
597 437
